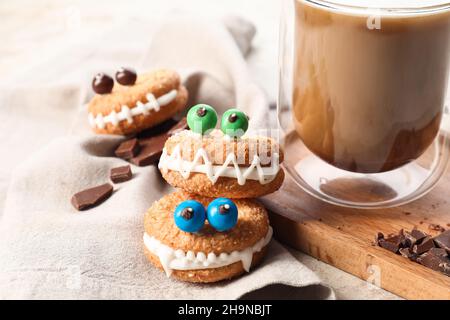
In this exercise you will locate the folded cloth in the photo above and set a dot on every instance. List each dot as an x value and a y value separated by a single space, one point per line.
49 250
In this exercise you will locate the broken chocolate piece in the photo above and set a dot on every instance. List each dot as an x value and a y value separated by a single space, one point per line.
438 252
424 246
414 237
121 174
151 150
128 149
435 262
158 129
180 126
91 197
418 235
443 240
151 141
380 236
393 243
407 253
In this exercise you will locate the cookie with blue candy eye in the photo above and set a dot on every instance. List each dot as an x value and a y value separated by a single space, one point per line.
207 255
134 102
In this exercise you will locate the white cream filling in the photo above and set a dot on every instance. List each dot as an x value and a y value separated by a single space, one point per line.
177 259
202 164
152 104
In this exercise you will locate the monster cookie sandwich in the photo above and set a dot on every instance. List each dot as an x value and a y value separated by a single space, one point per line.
200 239
221 163
135 102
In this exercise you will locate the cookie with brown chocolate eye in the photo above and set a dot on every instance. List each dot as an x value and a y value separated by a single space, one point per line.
222 165
209 254
135 102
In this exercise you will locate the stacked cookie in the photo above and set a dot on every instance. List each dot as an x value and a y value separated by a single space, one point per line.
135 102
140 107
212 229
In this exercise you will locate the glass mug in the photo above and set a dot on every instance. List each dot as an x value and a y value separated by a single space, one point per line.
363 87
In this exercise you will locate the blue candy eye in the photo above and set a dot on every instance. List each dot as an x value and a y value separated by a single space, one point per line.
190 216
222 214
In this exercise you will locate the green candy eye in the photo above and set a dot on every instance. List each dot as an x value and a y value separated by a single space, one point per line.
201 118
234 123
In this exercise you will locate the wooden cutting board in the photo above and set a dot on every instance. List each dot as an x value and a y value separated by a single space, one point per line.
344 237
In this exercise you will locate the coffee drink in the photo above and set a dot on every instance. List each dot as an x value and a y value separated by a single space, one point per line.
369 86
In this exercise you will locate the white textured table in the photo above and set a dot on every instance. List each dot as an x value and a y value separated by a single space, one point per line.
33 32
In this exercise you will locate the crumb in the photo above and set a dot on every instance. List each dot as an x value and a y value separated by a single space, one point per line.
436 227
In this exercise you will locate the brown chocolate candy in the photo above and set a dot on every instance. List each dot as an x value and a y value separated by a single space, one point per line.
424 246
443 240
152 141
121 174
435 262
102 83
126 76
407 253
419 235
178 127
392 243
420 247
91 197
151 150
128 149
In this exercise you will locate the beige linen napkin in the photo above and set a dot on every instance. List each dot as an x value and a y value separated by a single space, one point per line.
50 250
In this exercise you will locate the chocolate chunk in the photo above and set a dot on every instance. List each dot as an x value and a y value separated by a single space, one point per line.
180 126
393 243
407 253
418 235
151 141
438 252
436 227
424 246
443 240
91 197
435 262
126 76
379 236
414 237
120 174
128 149
151 150
102 83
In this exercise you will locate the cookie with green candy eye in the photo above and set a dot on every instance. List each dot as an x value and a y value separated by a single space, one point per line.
214 165
234 123
201 118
